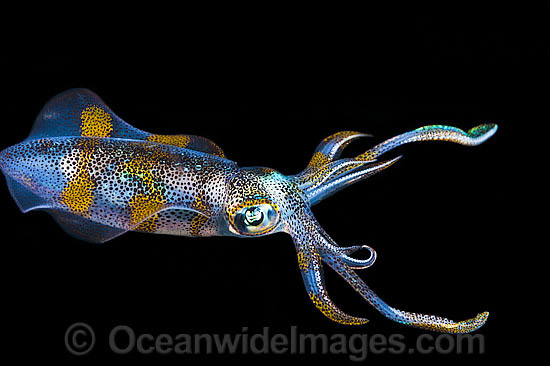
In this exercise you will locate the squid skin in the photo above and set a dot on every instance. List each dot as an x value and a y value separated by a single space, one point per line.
99 177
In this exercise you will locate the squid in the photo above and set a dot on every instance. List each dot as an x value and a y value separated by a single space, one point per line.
99 177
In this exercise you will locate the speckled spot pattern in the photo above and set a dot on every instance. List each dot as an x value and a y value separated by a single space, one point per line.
99 177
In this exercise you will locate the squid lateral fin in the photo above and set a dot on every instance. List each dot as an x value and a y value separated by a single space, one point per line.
80 112
74 225
25 199
84 229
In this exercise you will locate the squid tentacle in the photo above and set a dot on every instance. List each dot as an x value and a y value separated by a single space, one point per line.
360 263
474 136
319 180
309 263
315 246
342 176
351 249
429 322
332 146
344 252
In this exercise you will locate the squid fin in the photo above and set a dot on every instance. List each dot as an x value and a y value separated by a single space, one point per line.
76 226
25 199
80 112
84 229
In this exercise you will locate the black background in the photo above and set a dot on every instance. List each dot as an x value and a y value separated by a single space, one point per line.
267 94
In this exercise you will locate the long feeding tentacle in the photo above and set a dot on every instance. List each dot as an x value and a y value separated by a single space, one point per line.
320 180
312 246
422 321
474 136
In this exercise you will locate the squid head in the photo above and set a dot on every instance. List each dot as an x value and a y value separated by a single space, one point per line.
263 201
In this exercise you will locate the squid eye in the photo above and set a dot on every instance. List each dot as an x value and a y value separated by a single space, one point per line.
255 219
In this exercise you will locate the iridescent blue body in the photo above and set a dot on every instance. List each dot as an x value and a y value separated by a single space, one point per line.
99 177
